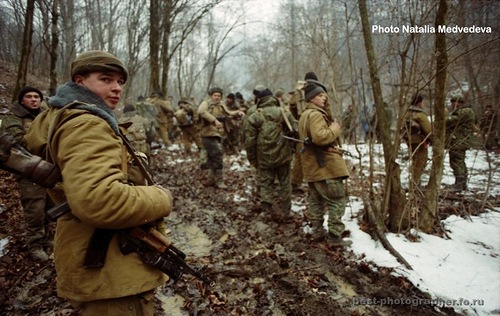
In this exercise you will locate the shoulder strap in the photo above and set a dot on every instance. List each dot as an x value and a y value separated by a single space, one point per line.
287 121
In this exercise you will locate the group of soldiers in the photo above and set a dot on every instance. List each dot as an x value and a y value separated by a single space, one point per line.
287 143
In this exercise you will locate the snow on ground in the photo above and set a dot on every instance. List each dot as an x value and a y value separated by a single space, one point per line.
462 272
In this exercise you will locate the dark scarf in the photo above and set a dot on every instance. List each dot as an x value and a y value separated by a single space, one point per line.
86 100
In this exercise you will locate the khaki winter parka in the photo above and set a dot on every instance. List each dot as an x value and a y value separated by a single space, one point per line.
93 163
314 123
208 112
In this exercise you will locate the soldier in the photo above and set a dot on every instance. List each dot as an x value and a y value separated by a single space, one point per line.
489 128
323 166
297 105
187 120
33 197
270 153
231 141
349 124
417 132
213 112
459 138
165 116
136 133
148 111
80 134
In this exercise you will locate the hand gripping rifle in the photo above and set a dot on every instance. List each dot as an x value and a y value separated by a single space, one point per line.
152 246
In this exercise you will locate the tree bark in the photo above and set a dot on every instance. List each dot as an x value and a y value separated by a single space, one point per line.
154 46
26 49
429 213
54 43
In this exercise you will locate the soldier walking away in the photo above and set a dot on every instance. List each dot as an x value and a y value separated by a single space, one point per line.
324 168
489 128
165 116
80 134
213 114
417 134
136 132
33 197
148 111
187 120
270 153
459 138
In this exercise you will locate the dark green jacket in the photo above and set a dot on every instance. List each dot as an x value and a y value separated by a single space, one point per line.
265 146
460 128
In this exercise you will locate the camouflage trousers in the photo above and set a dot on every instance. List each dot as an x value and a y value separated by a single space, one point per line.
330 195
269 189
213 148
190 134
33 200
297 174
457 162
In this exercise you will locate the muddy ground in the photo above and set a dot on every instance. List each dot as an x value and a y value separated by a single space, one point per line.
260 267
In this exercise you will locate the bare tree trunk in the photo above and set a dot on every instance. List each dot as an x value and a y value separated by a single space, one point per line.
166 27
53 48
154 46
393 194
26 49
430 210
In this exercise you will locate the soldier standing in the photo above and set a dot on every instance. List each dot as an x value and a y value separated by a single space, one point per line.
459 138
96 183
165 115
187 120
324 168
136 133
212 112
417 131
33 196
270 153
488 127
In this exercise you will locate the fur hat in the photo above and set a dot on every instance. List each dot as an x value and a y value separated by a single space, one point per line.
96 60
230 96
417 99
311 75
311 90
258 89
27 89
264 93
215 90
128 108
457 98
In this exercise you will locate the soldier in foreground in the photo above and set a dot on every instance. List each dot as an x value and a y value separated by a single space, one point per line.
33 196
324 168
80 134
270 153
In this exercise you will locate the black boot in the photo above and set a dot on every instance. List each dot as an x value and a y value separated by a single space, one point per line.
319 232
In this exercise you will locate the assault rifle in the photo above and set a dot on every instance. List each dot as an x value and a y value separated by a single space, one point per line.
152 246
319 150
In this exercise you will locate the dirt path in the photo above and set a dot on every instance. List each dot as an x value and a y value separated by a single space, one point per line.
261 267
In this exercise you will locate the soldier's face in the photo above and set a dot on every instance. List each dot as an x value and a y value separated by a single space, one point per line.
32 100
106 85
319 100
216 97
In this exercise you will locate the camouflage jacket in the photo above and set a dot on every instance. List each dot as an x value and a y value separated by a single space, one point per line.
265 146
460 128
17 122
